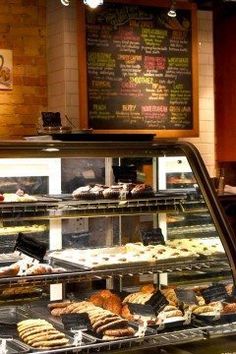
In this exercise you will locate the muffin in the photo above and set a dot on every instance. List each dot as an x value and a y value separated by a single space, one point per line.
142 191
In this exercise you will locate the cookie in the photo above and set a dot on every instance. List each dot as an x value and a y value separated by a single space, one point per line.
104 321
120 322
50 343
121 332
57 312
31 336
35 330
48 337
55 305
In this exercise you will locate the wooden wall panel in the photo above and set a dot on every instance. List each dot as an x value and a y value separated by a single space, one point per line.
225 84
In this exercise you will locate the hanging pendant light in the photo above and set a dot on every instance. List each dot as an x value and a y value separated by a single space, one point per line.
172 12
65 2
93 3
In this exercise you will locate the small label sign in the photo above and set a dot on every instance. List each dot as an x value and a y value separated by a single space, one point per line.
187 296
75 321
141 310
215 292
30 246
158 302
153 237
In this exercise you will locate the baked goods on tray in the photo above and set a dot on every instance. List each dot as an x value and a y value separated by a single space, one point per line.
131 253
9 271
21 268
13 197
40 334
105 323
116 191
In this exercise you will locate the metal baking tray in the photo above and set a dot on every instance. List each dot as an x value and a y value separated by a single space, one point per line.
43 312
69 345
148 332
10 316
93 252
14 346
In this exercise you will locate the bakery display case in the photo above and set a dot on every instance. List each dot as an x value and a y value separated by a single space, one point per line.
97 255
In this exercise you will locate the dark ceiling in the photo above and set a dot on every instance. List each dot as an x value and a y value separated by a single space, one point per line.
213 4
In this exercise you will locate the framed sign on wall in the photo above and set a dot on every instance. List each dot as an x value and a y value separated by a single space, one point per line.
138 68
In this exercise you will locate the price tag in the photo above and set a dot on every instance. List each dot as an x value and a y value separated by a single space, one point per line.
153 237
30 246
186 295
141 329
161 323
142 310
157 302
75 321
215 292
187 317
77 336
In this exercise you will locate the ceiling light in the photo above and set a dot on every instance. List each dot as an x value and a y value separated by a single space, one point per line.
65 2
172 12
93 3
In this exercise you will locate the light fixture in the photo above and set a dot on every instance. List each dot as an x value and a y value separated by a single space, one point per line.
93 3
65 2
172 12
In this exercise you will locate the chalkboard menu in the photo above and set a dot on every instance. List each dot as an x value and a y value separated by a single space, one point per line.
139 67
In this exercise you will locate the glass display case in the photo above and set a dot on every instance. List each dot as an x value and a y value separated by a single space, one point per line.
97 255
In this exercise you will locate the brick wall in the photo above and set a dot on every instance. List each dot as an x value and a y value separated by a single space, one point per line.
23 30
206 140
63 94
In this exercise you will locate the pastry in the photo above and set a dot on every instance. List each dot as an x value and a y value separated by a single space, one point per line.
171 297
35 330
102 320
105 293
142 190
113 304
97 191
122 332
9 271
203 309
39 333
61 304
83 193
148 288
113 192
125 313
137 298
229 288
96 299
116 323
50 343
173 313
229 307
39 269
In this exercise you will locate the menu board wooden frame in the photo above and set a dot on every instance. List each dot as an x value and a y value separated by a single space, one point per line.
83 72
